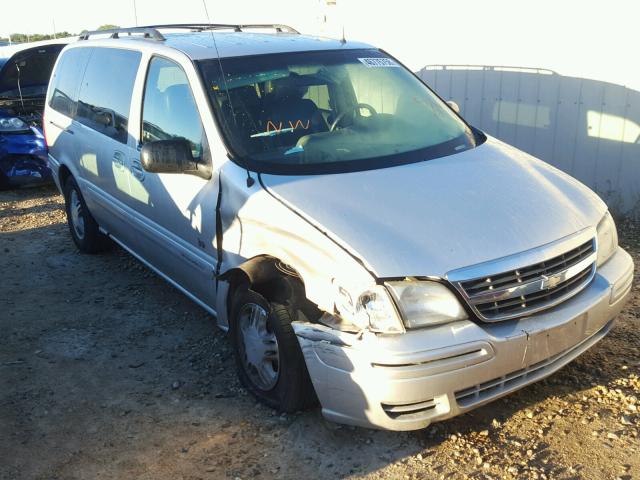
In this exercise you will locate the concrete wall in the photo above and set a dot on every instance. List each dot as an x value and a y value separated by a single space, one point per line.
588 128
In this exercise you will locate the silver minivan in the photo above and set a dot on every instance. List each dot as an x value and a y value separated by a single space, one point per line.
364 246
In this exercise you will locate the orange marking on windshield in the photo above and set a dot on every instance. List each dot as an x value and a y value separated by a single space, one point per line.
272 126
299 123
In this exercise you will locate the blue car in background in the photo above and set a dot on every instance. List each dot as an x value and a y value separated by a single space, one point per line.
24 75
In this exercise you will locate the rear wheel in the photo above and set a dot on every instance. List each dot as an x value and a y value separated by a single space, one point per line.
83 227
268 357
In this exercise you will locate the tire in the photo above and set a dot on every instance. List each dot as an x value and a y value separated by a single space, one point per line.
291 389
83 227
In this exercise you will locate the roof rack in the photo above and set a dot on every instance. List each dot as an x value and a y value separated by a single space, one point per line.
147 32
153 31
495 68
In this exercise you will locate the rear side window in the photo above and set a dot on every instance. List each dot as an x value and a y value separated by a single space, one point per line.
105 93
63 95
169 110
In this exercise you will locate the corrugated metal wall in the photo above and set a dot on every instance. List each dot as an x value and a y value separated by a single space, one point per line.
587 128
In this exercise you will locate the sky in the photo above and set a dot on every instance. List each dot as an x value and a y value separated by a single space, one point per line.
588 38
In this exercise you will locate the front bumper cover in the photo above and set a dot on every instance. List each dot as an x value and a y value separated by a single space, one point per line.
23 159
406 382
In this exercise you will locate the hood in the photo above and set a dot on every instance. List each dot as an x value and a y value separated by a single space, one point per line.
32 65
428 218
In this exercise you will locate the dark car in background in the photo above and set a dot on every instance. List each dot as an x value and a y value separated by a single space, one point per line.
24 75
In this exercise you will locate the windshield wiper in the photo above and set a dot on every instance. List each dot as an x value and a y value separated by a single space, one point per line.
272 133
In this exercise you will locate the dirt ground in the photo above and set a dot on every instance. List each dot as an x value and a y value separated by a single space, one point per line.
107 372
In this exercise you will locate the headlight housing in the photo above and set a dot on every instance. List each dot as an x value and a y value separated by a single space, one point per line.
426 303
12 124
607 239
372 309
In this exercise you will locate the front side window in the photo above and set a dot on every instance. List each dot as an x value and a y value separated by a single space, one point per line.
329 111
105 94
169 111
63 93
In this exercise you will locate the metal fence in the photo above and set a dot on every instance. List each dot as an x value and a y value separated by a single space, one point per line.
588 128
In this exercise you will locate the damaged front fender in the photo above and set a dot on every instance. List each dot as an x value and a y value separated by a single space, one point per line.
23 159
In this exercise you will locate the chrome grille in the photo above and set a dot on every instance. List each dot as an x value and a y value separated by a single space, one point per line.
531 288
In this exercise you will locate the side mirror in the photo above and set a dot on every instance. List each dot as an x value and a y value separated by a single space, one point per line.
454 106
172 156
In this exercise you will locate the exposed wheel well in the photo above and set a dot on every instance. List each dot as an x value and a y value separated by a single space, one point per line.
274 280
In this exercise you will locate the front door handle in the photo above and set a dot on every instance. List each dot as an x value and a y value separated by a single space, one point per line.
118 159
137 170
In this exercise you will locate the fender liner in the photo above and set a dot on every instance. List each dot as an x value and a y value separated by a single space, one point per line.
267 275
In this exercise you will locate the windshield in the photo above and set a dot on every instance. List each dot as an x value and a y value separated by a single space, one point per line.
329 111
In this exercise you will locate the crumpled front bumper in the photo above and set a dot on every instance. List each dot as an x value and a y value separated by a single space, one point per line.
23 159
406 382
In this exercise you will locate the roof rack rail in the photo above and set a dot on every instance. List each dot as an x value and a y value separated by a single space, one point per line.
238 27
280 28
495 68
152 31
148 32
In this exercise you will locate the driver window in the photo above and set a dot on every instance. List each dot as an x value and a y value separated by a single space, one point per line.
169 109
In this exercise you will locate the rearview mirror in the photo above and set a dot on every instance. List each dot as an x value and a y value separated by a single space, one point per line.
172 156
454 106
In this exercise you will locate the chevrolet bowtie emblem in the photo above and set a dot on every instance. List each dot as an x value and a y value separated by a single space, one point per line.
547 283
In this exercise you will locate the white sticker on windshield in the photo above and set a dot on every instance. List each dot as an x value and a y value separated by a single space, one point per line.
378 62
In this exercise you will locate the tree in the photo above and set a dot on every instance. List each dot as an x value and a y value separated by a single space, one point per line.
36 37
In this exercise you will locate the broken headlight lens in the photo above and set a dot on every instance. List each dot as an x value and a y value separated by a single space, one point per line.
607 239
373 309
425 303
377 308
12 124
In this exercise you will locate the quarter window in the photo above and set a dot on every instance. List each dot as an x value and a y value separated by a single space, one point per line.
105 95
169 110
66 79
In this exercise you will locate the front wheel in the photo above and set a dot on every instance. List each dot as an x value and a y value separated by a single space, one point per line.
268 358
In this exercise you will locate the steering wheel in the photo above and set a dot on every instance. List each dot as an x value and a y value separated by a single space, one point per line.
354 109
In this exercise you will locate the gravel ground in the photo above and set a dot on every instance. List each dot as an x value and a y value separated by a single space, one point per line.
108 372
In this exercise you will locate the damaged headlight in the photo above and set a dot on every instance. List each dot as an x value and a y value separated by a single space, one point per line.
425 303
421 304
12 124
607 239
372 309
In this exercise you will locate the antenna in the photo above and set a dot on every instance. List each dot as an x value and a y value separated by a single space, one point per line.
343 40
250 180
135 12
